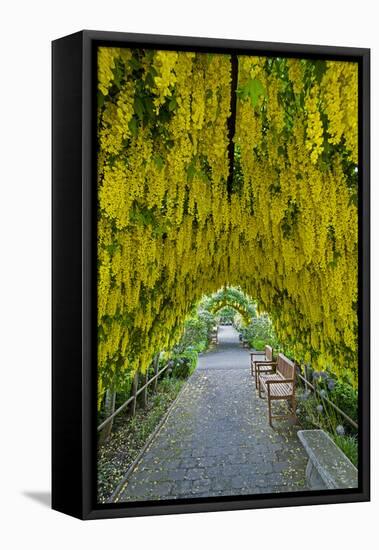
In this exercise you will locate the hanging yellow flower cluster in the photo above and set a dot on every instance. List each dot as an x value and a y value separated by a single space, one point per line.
169 231
301 239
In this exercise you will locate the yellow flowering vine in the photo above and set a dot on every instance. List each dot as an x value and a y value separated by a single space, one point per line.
169 231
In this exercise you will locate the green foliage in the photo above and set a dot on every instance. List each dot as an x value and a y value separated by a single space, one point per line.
252 90
259 333
308 415
348 445
346 398
183 365
314 411
195 334
195 338
226 315
342 394
259 345
197 331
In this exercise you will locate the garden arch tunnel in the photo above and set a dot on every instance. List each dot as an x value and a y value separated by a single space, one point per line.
237 308
197 191
235 299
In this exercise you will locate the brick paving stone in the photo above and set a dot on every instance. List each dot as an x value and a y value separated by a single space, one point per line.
217 440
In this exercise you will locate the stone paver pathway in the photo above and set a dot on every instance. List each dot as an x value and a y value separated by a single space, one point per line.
216 440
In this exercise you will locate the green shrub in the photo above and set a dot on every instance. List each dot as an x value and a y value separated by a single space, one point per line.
258 345
197 331
348 445
184 364
307 413
201 346
259 333
226 315
346 398
340 394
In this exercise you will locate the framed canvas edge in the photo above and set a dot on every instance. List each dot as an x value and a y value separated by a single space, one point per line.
87 508
67 365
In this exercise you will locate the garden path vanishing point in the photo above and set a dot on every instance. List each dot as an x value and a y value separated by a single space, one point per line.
216 440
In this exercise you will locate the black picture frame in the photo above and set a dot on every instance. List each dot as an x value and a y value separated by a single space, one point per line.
74 274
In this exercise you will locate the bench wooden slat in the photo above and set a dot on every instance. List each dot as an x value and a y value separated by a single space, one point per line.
284 390
280 389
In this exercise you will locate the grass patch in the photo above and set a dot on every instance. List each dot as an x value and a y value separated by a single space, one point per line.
130 435
349 446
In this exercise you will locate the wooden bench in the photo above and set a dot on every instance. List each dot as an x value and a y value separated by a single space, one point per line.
328 467
264 359
214 336
244 342
214 339
278 385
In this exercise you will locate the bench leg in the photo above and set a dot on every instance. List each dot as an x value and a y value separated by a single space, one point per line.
269 411
256 378
259 388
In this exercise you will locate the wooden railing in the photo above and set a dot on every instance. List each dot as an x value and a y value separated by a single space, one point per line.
340 411
135 394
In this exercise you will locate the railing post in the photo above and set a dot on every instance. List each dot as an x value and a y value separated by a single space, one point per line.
132 399
134 390
110 402
156 366
144 393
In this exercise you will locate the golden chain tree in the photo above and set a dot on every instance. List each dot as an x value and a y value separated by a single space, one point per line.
168 229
